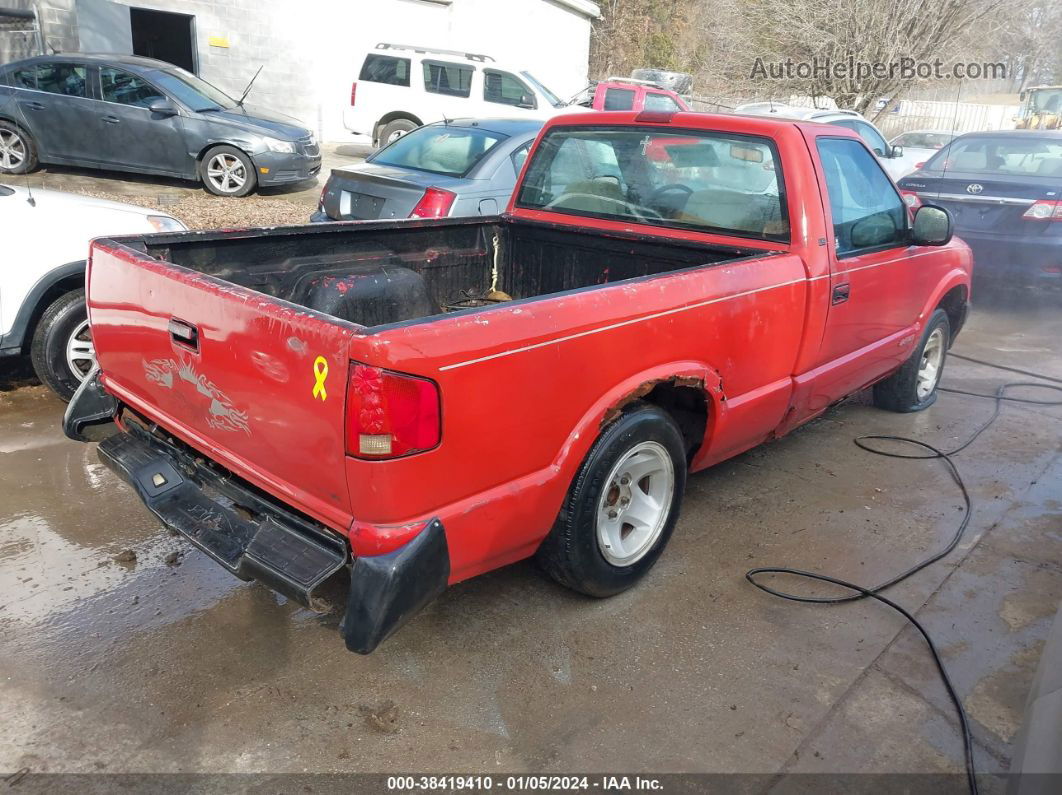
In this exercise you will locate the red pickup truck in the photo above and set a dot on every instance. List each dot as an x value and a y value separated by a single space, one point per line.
391 407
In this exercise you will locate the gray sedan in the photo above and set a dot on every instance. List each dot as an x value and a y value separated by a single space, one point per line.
127 113
453 168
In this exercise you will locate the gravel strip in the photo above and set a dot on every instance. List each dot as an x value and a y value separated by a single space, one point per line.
203 211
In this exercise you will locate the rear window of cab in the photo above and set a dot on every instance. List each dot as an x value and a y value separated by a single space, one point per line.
706 181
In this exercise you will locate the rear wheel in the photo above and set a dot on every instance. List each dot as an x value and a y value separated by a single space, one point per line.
622 506
226 171
395 129
914 386
62 351
18 152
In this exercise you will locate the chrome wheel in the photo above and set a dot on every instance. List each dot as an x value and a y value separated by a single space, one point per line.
930 368
226 172
395 136
80 355
12 150
635 503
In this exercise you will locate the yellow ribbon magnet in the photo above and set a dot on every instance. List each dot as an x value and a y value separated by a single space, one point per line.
320 373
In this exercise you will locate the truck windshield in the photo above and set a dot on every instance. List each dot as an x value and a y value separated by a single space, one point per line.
551 98
453 151
709 181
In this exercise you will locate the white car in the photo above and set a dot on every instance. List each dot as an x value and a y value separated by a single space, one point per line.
400 88
42 275
920 145
894 159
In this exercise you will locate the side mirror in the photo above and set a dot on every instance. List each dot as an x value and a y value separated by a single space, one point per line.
932 226
897 151
162 107
527 101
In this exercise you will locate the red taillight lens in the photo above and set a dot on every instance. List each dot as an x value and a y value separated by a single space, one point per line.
1044 211
918 166
390 414
353 93
435 203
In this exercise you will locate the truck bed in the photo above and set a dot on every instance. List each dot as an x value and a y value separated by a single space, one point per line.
377 274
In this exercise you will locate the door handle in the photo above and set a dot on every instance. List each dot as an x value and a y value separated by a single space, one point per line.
33 105
111 119
841 293
184 334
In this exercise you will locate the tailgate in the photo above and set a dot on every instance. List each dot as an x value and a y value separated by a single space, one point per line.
255 383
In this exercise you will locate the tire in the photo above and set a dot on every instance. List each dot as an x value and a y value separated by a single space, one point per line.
394 130
18 150
583 550
914 386
226 171
61 350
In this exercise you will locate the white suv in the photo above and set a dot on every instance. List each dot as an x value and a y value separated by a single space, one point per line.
43 247
401 88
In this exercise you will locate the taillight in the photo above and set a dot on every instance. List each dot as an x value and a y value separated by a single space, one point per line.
918 166
435 203
390 414
911 199
353 92
1045 210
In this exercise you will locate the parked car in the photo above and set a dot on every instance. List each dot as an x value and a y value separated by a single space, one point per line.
894 158
920 145
400 88
455 168
42 275
460 393
624 93
127 113
1005 191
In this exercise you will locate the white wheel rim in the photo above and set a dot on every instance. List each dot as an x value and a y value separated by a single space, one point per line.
395 136
80 354
227 173
635 504
12 149
932 361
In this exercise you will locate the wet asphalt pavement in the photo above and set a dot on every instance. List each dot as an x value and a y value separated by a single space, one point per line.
167 663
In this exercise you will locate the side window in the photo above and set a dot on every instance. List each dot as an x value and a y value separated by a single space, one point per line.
519 157
451 79
655 101
385 69
619 99
26 77
867 212
127 89
62 78
506 89
868 134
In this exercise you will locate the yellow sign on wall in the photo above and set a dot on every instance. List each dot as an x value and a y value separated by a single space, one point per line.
218 41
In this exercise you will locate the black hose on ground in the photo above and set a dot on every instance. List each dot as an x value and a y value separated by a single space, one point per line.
929 452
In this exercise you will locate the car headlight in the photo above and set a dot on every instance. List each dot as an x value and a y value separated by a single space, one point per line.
284 147
163 223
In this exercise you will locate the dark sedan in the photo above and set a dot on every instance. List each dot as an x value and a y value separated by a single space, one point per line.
1005 191
128 113
453 168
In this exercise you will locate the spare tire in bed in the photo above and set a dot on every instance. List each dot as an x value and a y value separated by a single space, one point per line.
371 295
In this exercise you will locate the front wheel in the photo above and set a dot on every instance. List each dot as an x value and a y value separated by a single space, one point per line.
622 506
18 152
62 351
226 171
914 386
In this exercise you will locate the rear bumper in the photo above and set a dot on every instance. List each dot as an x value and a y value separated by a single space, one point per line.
1016 257
256 538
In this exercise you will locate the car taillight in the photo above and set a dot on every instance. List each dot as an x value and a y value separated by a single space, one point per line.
1046 210
435 203
353 92
911 199
918 166
390 414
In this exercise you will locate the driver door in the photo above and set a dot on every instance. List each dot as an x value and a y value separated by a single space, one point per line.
874 282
